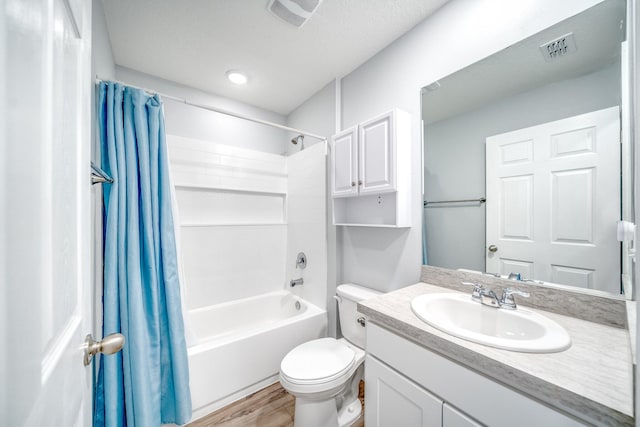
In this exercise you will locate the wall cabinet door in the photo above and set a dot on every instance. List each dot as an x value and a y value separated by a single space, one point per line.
344 166
451 417
376 173
393 400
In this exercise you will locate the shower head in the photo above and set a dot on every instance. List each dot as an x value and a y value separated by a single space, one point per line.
298 139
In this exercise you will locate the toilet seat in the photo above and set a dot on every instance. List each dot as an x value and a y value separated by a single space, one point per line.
318 362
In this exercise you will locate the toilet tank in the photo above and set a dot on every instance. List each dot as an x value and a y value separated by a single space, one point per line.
348 297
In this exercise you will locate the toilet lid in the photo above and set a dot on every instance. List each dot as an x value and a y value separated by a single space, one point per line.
317 361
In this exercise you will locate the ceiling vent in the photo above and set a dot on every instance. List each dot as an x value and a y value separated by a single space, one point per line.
562 46
295 12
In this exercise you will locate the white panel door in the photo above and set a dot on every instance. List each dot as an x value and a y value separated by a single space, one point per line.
394 400
377 152
344 165
553 201
45 208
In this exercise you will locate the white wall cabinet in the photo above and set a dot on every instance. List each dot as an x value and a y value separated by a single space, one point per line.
412 378
371 172
344 165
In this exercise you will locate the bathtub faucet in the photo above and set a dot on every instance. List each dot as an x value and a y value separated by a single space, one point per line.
296 282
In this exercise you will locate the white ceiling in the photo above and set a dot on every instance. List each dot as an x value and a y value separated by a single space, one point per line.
195 42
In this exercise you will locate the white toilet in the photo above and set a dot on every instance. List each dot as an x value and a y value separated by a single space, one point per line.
324 374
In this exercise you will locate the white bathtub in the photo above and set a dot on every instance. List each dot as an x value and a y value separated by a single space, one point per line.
239 345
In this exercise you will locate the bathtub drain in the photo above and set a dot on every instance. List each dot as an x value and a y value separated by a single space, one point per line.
297 305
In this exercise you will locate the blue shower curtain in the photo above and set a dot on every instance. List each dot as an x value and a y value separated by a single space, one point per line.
147 383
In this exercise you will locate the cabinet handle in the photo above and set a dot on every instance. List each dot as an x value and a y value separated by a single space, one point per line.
353 184
359 182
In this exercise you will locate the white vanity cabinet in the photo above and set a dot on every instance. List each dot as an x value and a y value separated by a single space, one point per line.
371 172
398 401
409 385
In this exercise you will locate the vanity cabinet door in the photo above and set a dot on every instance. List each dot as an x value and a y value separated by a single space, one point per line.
376 173
451 417
344 165
393 400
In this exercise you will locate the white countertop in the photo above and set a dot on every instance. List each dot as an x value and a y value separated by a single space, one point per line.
592 380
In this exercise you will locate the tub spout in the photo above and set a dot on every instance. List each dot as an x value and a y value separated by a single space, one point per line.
296 282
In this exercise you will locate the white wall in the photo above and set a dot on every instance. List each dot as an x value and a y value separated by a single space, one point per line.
102 62
193 122
317 115
4 187
459 34
454 152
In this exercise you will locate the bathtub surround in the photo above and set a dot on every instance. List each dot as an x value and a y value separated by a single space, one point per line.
148 382
317 115
244 217
251 212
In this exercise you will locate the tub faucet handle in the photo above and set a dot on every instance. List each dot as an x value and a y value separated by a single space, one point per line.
301 261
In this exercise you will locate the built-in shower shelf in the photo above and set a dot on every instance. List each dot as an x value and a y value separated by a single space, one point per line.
232 224
370 225
208 166
234 187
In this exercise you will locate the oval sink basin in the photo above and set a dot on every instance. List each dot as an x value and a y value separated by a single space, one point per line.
515 330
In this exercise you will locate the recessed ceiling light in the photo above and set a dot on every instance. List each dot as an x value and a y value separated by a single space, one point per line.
236 77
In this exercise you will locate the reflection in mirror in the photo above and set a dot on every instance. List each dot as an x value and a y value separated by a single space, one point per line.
525 170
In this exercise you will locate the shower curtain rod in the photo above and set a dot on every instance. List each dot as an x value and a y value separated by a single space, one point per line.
216 110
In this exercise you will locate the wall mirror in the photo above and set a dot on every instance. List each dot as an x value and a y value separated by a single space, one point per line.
527 164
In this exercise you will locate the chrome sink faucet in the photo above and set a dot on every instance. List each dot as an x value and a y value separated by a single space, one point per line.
507 300
488 297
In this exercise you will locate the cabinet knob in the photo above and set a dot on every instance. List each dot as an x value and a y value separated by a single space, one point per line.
359 182
353 184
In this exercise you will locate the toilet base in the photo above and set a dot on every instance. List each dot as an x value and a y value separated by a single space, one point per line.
350 414
309 413
341 411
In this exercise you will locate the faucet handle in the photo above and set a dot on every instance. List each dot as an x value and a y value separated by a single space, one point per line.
507 300
477 290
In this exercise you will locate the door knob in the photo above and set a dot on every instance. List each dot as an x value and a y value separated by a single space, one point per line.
110 344
493 248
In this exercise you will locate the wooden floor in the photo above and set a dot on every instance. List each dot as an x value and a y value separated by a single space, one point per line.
270 407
